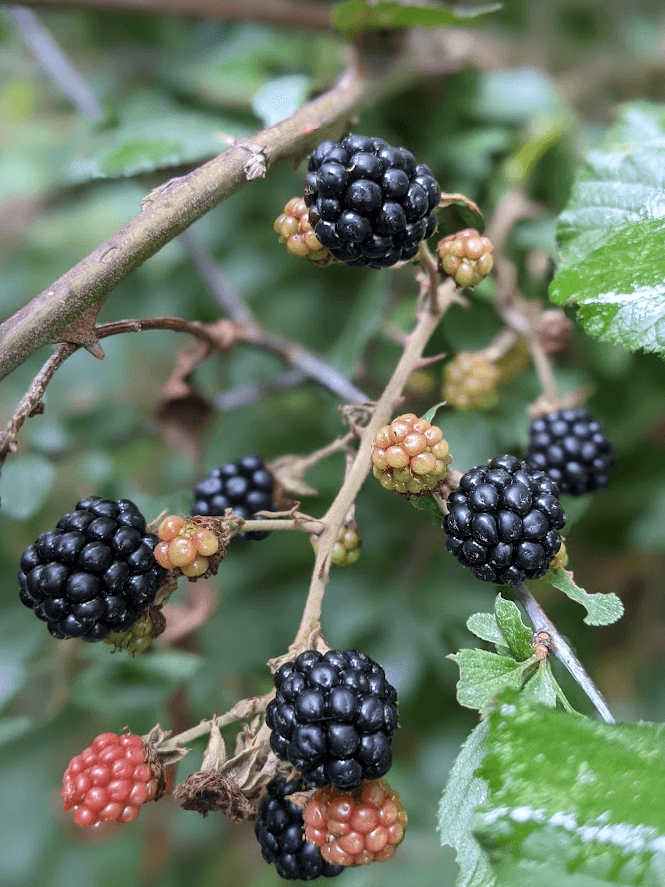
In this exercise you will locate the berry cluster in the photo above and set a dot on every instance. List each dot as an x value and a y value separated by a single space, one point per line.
369 203
94 573
358 827
409 455
295 229
503 521
469 381
136 639
279 830
570 447
185 546
466 256
333 717
109 780
347 546
245 486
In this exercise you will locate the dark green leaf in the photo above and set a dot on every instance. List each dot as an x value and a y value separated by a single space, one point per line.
612 235
25 485
540 688
358 15
364 319
280 98
572 801
460 798
430 505
602 609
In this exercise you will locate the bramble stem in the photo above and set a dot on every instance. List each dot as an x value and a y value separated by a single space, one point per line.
541 622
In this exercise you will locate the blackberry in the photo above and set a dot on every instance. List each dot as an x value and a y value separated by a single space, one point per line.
279 830
94 573
409 456
246 486
370 203
333 717
470 381
295 229
503 521
570 447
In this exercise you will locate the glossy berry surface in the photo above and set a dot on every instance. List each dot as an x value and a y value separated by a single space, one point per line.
570 447
279 831
409 455
109 780
295 230
185 546
246 486
333 717
358 827
503 521
370 203
466 256
94 573
346 550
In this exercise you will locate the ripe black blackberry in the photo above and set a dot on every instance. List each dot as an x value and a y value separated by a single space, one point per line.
280 832
246 486
333 717
503 521
94 573
570 447
370 203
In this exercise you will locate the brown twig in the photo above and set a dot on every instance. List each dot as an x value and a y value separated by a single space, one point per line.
31 403
542 623
426 322
283 13
173 207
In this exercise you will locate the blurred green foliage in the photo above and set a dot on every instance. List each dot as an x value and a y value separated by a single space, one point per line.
546 85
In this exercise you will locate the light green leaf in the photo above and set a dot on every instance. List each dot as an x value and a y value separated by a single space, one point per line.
517 635
602 609
612 235
571 801
484 674
25 484
540 688
280 98
358 15
460 798
503 628
432 411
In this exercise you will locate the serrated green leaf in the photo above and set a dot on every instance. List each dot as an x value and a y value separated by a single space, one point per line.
602 609
540 688
359 15
460 798
484 674
431 506
612 235
25 484
485 626
517 635
572 801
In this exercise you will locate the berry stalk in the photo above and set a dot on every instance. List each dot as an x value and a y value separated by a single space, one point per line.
542 623
427 320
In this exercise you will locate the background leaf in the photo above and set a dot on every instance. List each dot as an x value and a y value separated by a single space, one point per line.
357 15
